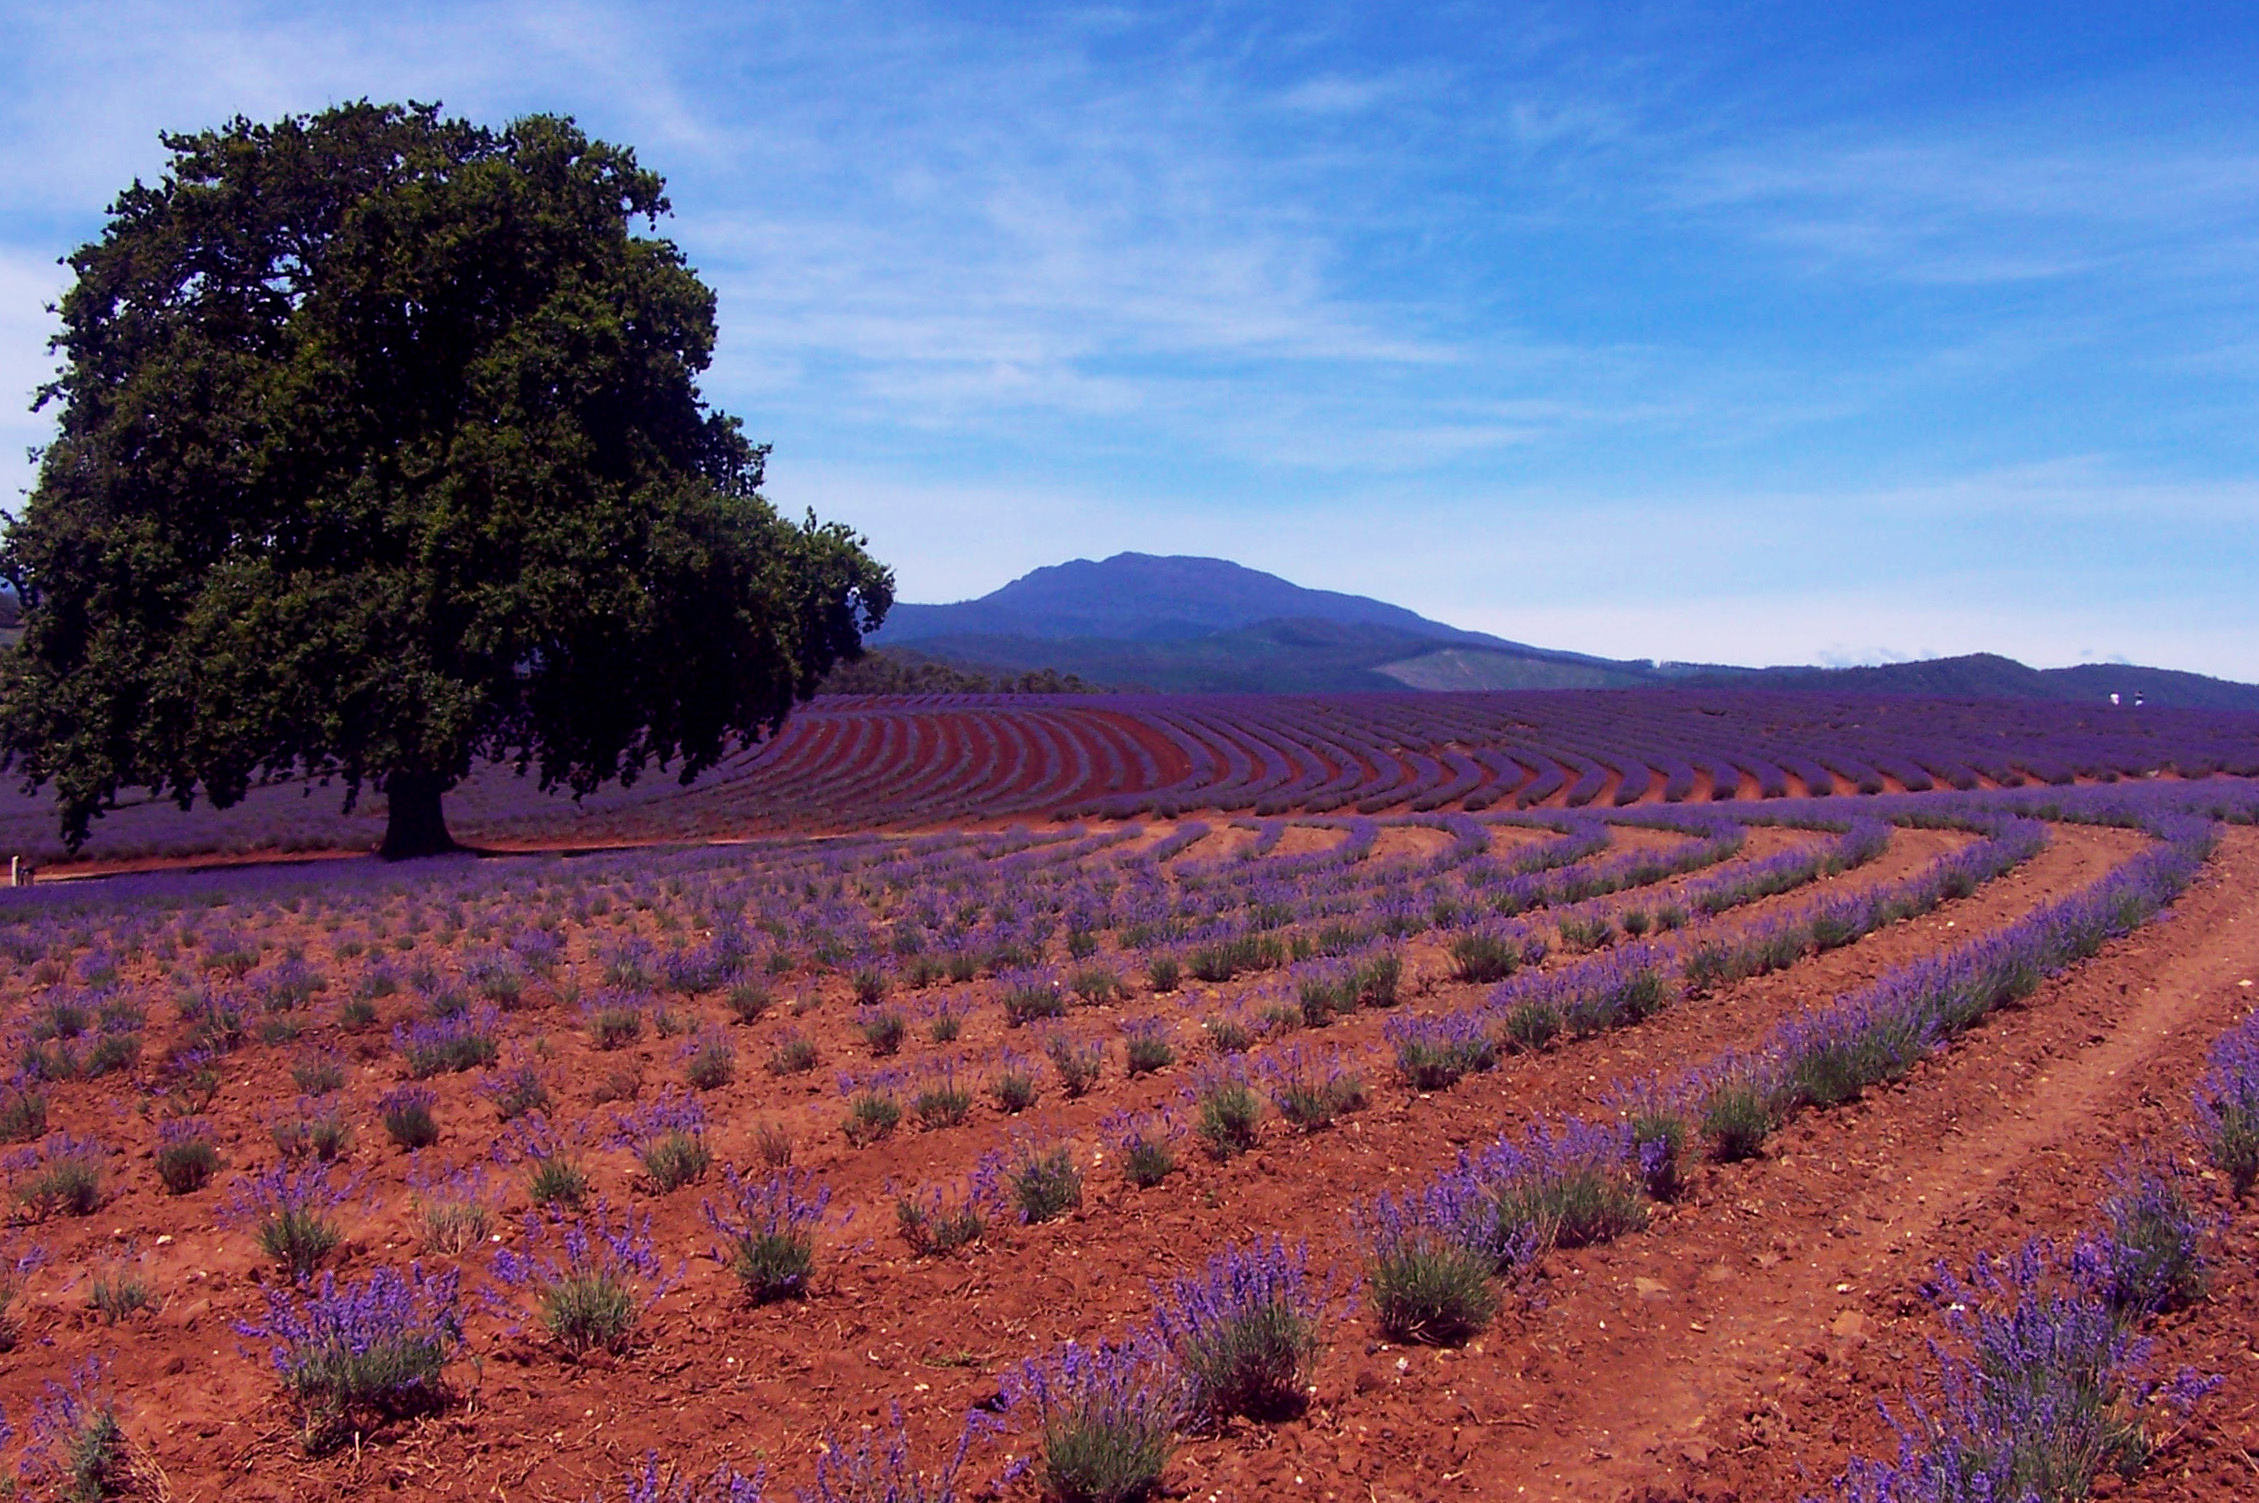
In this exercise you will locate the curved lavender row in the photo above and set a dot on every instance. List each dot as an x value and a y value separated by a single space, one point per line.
1633 982
1183 839
1543 879
1858 843
1838 919
1573 1181
2046 1371
1878 1033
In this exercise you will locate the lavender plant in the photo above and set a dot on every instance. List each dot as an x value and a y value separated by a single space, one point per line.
1076 1062
1428 1262
317 1074
312 1130
945 1019
940 1219
654 1483
709 1059
2148 1256
187 1156
290 1212
23 1112
613 1017
78 1447
2039 1391
1312 1089
1434 1054
2227 1106
1046 1182
1487 954
62 1176
1226 1111
1245 1332
883 1030
454 1210
1104 1419
1569 1185
515 1090
406 1112
1146 1145
1146 1046
1012 1084
874 1105
1030 996
589 1282
556 1181
439 1046
668 1137
364 1351
877 1467
17 1261
748 1001
768 1229
943 1098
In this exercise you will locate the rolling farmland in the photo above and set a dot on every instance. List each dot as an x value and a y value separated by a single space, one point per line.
912 763
1593 1150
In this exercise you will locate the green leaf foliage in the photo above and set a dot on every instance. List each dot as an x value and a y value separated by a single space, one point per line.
381 453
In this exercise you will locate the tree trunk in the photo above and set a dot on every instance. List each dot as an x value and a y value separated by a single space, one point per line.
414 824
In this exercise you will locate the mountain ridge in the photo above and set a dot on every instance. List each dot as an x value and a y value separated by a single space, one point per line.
1187 624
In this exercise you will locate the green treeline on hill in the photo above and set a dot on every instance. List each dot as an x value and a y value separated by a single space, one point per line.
894 671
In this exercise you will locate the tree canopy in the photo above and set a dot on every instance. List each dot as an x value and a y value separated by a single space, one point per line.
381 453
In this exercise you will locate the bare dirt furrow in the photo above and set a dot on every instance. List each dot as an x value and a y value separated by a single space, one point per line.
1734 1349
720 1381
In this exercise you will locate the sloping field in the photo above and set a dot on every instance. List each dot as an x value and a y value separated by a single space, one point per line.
912 763
511 1177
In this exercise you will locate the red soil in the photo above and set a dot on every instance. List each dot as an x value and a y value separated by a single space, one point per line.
1731 1351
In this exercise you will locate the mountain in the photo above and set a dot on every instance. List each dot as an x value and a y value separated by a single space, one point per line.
1291 655
1140 597
1986 675
1206 625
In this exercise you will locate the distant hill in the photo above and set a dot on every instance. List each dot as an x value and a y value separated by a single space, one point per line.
1206 625
1985 675
1139 597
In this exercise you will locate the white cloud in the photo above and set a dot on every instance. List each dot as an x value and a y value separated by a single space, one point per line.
27 285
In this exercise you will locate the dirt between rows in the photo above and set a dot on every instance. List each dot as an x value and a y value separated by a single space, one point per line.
1731 1351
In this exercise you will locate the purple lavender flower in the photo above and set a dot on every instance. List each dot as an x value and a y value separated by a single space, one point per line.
1104 1416
2227 1106
876 1467
75 1436
1429 1257
289 1210
436 1046
1246 1331
653 1483
373 1348
769 1227
2148 1255
2039 1390
938 1219
1434 1054
589 1281
669 1137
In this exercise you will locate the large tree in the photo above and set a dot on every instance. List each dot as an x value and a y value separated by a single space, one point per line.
381 453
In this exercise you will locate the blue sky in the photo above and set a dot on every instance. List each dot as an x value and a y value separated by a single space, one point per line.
1755 333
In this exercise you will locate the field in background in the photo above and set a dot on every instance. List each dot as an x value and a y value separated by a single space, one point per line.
949 762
